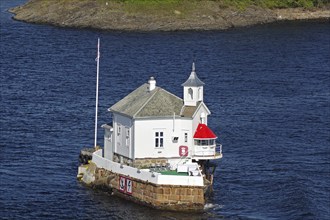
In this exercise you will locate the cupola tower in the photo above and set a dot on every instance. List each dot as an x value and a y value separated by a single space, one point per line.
192 89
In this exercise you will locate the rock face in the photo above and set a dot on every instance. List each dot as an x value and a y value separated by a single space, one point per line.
115 15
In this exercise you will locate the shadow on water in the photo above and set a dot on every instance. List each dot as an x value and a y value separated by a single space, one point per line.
111 206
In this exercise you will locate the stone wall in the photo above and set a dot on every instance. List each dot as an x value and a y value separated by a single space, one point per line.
139 163
146 163
125 160
166 197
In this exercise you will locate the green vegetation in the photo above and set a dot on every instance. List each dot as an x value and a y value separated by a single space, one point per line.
167 15
274 3
184 7
237 3
162 7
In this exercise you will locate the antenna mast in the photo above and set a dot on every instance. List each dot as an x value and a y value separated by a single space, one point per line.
97 88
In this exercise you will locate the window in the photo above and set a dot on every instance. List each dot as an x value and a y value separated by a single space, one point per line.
190 92
127 137
118 129
203 117
127 132
204 142
159 139
185 137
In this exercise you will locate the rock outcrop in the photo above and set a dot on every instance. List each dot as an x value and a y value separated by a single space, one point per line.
115 15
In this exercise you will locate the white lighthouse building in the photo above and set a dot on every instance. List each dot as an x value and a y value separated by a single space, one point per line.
153 127
157 149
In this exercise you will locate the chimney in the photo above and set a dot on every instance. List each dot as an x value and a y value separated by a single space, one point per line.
152 83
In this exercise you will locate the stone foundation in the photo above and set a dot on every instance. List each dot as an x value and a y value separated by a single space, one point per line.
165 197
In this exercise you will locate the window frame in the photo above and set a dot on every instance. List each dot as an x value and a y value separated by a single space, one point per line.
127 137
204 142
118 129
159 139
191 93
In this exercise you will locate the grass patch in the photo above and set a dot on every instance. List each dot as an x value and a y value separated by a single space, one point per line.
147 5
173 172
156 7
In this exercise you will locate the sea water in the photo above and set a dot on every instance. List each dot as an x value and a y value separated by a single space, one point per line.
266 86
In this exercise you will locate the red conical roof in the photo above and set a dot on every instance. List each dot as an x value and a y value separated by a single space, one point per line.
204 132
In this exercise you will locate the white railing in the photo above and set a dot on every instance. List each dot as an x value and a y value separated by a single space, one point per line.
218 149
208 151
145 174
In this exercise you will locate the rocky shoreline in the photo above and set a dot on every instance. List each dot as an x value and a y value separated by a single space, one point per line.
114 16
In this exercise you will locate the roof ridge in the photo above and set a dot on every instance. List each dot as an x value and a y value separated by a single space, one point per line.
170 93
197 107
131 92
148 100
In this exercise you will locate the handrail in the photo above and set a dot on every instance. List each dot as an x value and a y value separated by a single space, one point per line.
218 147
184 157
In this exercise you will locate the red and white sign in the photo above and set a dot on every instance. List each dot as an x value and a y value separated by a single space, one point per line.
125 185
122 184
129 186
183 151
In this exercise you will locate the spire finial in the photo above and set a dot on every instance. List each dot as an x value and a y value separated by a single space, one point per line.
193 67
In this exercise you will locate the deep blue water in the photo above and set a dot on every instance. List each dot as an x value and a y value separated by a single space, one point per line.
268 88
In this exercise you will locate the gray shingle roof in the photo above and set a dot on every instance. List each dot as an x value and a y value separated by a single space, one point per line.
189 111
193 80
144 103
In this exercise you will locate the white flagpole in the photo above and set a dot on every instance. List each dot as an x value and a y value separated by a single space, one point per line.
97 88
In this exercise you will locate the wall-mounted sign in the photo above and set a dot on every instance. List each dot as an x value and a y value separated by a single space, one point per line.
125 185
183 151
129 186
